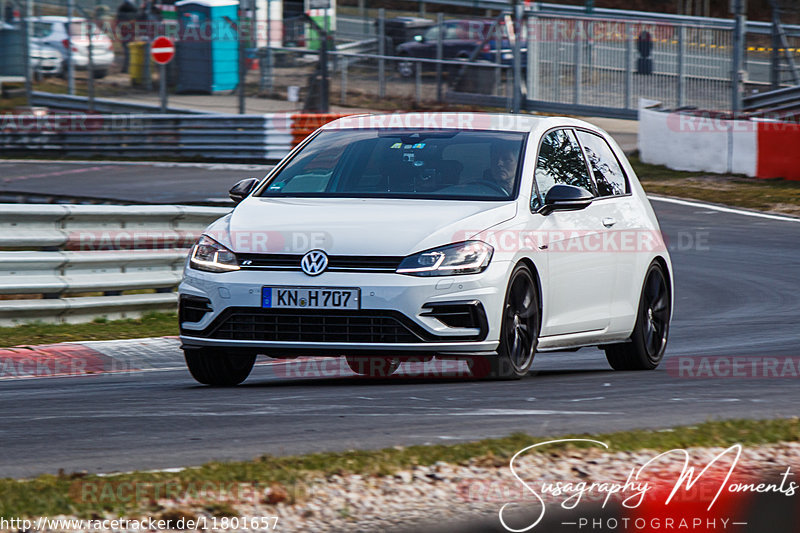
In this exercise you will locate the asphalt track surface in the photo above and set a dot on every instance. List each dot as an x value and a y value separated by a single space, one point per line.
148 182
737 280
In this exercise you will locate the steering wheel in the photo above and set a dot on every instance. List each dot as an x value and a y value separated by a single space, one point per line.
493 185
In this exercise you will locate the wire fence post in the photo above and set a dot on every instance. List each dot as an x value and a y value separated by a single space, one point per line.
26 50
241 70
516 97
498 56
681 67
418 83
70 65
578 59
439 56
533 55
343 62
739 23
628 65
382 53
90 70
148 77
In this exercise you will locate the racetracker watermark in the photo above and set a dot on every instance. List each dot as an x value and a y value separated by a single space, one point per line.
335 367
255 242
718 122
90 122
107 492
587 240
761 367
433 121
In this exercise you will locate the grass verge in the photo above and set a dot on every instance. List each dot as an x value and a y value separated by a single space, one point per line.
774 195
52 495
149 325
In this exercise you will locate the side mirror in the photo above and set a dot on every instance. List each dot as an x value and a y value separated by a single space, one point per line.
419 38
565 198
242 188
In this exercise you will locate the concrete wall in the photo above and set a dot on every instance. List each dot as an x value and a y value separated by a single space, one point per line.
706 142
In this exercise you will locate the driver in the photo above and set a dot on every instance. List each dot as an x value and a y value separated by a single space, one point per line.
503 167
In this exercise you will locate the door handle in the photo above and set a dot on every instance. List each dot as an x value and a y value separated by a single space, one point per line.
608 222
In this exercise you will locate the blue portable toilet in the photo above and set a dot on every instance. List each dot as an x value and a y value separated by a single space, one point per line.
208 46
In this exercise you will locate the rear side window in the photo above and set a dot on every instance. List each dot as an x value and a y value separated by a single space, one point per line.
608 174
42 29
560 162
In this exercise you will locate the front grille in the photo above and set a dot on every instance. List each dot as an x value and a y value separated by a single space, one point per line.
340 263
312 326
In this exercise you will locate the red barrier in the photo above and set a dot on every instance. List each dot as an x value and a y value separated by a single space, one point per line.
778 150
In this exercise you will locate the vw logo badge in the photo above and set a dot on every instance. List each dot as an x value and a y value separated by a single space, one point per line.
314 262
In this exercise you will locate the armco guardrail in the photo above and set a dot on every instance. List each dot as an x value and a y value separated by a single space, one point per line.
219 136
780 102
101 105
71 263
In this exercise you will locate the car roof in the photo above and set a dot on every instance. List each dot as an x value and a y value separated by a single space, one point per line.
459 121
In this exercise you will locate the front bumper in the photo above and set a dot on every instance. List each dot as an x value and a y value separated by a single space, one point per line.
393 306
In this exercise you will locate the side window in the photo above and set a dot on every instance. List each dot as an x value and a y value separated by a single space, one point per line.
560 161
608 174
452 32
432 34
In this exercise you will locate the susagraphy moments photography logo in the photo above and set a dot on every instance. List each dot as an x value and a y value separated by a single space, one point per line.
667 492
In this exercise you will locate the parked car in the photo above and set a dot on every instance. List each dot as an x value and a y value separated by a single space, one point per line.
53 31
45 60
384 238
460 39
399 30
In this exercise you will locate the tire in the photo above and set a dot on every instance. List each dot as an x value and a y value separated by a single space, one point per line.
217 368
405 68
645 349
519 331
374 367
100 73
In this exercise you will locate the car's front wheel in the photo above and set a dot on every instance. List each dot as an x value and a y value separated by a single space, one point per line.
374 367
645 349
519 332
405 67
214 367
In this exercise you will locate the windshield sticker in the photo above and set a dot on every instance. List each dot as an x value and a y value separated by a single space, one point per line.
277 186
396 145
419 146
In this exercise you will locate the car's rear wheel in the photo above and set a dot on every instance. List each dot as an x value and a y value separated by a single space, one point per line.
214 367
645 349
519 332
374 367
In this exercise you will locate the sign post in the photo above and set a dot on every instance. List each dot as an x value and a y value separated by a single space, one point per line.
162 52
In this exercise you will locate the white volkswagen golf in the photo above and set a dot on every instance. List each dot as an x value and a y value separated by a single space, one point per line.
388 238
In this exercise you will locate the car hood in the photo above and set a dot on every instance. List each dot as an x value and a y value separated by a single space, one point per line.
367 226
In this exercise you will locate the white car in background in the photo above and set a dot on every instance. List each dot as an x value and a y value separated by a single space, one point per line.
58 33
404 237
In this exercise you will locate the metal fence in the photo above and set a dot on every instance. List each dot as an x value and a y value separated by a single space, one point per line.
71 263
578 63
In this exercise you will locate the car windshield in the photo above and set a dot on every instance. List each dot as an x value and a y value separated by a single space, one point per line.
388 163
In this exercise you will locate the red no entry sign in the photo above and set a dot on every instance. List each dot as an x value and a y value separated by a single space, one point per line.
162 50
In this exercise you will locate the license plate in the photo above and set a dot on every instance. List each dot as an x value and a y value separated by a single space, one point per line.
310 298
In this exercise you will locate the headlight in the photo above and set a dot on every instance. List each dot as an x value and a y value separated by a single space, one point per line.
211 256
468 257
